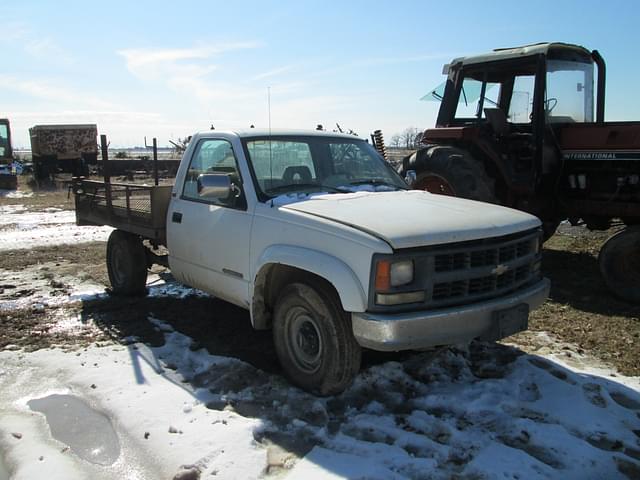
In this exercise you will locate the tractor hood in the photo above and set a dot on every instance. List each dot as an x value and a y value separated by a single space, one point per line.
414 218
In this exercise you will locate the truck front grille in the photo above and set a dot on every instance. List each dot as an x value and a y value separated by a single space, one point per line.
473 271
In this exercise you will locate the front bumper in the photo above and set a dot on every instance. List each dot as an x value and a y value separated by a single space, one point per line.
424 329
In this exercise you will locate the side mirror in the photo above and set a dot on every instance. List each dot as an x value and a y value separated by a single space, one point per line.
410 177
216 185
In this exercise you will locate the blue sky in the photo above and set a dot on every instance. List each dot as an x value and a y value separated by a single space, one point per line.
170 69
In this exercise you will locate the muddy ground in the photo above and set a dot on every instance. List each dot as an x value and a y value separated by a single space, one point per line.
580 310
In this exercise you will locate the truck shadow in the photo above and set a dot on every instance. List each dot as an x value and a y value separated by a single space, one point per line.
414 408
576 280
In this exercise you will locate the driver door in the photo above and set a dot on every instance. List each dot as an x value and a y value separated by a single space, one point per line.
209 238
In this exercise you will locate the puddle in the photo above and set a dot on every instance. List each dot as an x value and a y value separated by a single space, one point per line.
88 433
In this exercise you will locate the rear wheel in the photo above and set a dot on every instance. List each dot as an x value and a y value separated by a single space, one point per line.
619 261
126 264
313 338
452 171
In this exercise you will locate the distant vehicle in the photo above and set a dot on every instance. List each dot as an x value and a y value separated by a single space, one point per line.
316 235
524 127
8 178
63 149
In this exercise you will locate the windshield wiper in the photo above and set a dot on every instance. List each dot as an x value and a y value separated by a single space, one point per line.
294 187
375 182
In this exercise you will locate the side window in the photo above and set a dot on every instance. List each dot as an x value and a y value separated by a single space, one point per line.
211 156
4 139
469 98
521 105
491 96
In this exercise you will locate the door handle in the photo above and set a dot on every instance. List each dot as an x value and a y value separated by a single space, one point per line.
176 217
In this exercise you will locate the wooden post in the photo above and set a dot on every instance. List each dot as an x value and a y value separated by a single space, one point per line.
104 146
155 161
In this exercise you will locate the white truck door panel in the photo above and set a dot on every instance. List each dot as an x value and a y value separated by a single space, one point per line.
209 238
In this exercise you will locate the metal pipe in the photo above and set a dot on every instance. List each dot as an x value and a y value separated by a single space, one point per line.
602 72
155 161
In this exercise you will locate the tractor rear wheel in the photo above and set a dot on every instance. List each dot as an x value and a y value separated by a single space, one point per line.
619 261
452 171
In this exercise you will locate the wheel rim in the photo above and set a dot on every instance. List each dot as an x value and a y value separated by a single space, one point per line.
117 264
305 340
435 184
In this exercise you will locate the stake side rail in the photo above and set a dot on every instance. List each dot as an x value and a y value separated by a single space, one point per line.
139 209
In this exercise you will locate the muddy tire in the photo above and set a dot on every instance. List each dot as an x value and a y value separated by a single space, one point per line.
619 261
313 338
452 171
126 264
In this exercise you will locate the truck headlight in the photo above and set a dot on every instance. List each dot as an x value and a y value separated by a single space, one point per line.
401 273
393 274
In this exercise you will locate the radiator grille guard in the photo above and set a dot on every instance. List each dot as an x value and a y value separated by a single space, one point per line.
467 272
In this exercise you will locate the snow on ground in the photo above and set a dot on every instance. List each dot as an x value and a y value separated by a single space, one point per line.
489 411
492 413
22 229
15 193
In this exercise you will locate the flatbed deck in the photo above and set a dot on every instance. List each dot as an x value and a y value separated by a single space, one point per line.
139 209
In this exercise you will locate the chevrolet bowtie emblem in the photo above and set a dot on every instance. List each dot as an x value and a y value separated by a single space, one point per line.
500 269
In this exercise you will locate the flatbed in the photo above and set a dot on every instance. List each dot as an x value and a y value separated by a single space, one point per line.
138 209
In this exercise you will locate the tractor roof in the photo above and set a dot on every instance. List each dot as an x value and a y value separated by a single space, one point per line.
524 51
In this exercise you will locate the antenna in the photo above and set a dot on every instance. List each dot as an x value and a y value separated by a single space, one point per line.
270 154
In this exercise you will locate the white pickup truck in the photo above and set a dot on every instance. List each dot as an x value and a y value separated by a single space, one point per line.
316 235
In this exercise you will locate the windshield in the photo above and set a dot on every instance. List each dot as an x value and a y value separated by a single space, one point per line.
569 91
4 140
318 164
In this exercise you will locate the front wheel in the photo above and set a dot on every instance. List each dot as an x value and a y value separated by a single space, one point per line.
313 339
126 264
452 171
619 261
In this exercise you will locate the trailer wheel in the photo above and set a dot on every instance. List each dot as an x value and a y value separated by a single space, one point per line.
619 261
313 338
126 264
452 171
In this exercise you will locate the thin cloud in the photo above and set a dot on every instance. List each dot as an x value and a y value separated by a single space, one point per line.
141 60
48 91
34 44
273 73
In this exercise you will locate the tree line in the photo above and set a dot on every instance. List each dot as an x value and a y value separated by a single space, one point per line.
410 138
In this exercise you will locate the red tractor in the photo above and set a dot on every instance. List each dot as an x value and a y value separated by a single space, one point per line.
524 127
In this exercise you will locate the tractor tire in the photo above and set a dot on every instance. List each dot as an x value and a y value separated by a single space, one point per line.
452 171
313 338
619 261
126 264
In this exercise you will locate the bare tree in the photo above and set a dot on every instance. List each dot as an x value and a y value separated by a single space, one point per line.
396 141
410 138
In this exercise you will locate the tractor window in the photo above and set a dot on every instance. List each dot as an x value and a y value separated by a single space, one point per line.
469 100
521 105
569 91
4 140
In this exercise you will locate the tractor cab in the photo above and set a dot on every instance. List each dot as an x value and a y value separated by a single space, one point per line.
524 127
509 105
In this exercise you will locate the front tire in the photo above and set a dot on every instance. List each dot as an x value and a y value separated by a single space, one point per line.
126 264
452 171
313 338
619 261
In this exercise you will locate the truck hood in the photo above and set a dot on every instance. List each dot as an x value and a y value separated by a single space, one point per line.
414 218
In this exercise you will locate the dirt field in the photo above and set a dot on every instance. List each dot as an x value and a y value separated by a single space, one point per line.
580 310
